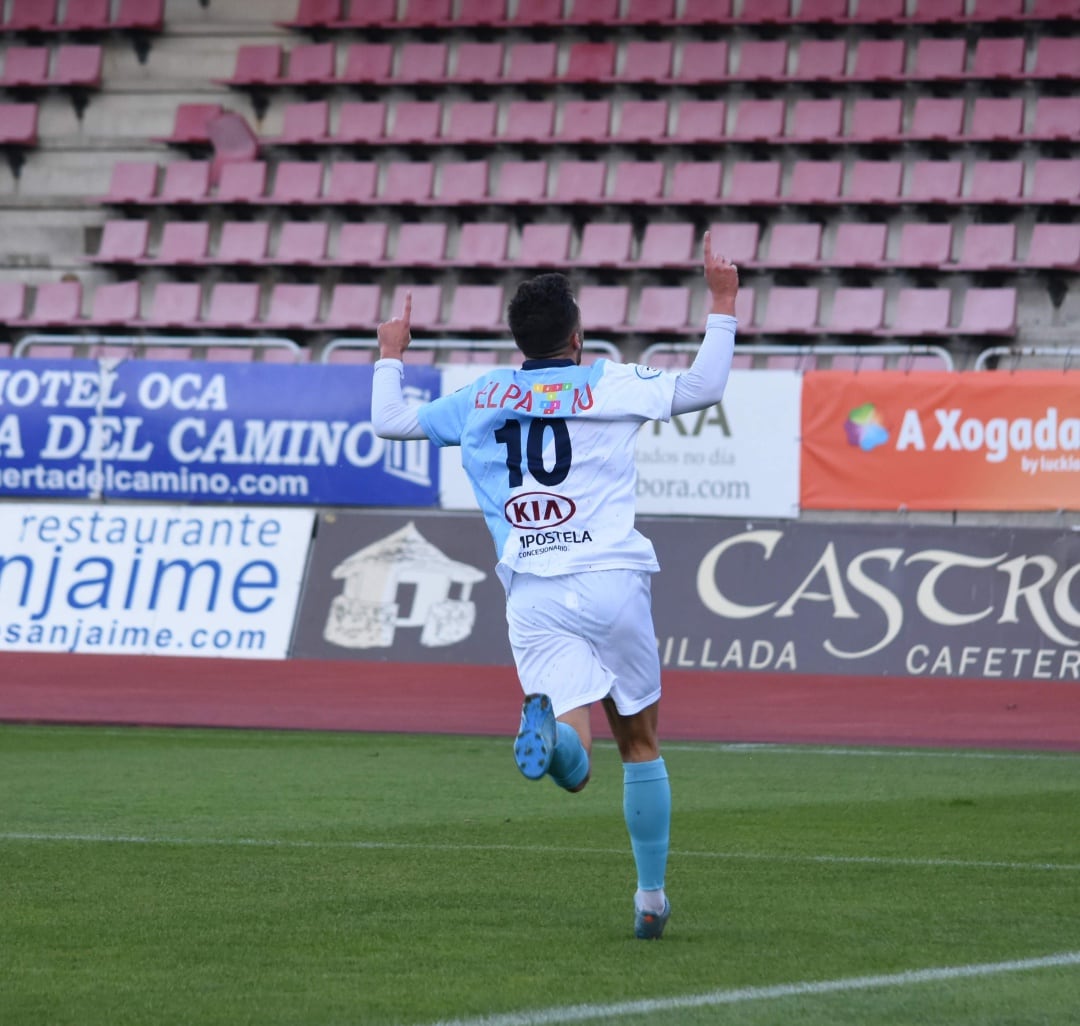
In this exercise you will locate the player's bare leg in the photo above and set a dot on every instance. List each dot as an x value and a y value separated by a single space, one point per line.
647 810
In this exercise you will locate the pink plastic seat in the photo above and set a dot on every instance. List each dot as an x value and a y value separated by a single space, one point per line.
530 62
257 64
426 304
422 63
1054 245
637 181
297 182
233 305
18 125
407 182
662 308
477 62
988 312
243 242
877 11
133 181
590 62
924 245
875 120
367 64
305 123
302 243
29 15
585 121
116 303
857 311
314 14
1055 57
464 181
769 12
351 181
470 121
921 312
369 14
190 124
123 241
641 121
707 12
545 245
794 245
817 121
934 181
762 60
483 244
361 122
185 181
737 241
649 12
649 60
12 301
415 121
1055 181
791 310
939 59
310 64
603 307
702 61
754 181
579 181
699 121
858 244
476 308
605 244
695 182
999 59
175 304
758 121
996 117
815 181
353 307
820 60
522 181
593 12
183 242
529 121
874 181
670 244
937 118
938 11
242 182
293 306
78 65
139 16
988 247
537 12
878 60
362 243
56 303
421 244
996 181
822 10
1057 117
427 13
25 66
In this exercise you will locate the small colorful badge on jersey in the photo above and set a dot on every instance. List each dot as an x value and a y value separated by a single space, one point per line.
551 399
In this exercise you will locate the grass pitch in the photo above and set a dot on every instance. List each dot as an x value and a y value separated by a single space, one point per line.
228 877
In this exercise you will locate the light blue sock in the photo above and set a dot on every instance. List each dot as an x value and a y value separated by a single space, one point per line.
647 808
570 763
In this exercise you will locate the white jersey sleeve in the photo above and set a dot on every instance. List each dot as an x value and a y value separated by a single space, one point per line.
549 450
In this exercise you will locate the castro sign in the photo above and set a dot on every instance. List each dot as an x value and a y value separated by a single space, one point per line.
879 599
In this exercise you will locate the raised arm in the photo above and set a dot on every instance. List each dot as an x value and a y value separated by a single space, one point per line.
391 416
703 383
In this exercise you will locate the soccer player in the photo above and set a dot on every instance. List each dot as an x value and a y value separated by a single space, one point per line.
549 450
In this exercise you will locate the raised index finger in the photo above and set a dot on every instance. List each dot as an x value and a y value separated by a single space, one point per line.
407 312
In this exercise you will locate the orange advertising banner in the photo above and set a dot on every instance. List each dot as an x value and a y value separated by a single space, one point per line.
941 440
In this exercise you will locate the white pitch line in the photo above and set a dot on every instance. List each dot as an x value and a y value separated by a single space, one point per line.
523 849
754 748
742 995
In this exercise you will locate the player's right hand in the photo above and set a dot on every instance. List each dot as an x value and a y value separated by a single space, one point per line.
394 334
722 278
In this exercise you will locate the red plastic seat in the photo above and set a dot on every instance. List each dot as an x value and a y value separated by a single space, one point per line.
183 242
988 312
351 181
420 63
603 307
257 64
1055 57
996 117
875 120
297 182
988 247
1054 245
821 60
754 181
642 121
702 61
464 181
310 64
762 60
362 243
531 62
242 182
921 312
421 244
477 62
857 311
483 244
815 181
529 121
353 307
476 308
671 244
874 181
367 64
924 245
293 306
649 60
185 181
590 62
415 121
996 181
794 245
1057 117
637 181
695 182
233 305
1055 181
175 304
859 244
605 244
737 241
579 181
937 118
791 310
934 181
522 181
699 121
1000 58
123 242
585 121
816 121
243 242
305 123
544 245
115 303
758 121
878 60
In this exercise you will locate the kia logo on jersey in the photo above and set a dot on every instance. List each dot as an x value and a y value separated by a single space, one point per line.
531 510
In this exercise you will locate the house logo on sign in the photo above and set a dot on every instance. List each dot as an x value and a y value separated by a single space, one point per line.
402 582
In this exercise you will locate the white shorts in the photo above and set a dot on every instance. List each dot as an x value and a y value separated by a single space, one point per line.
580 637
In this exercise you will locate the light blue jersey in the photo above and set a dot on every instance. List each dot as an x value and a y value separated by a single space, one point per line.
549 450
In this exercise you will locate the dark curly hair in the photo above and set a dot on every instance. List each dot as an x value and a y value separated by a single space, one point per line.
543 315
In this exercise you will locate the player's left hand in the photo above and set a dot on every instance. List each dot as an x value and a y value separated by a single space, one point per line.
394 334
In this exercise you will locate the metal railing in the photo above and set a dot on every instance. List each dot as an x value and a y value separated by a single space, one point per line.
1069 355
821 357
99 346
441 348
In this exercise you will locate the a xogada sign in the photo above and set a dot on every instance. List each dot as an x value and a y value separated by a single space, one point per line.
868 599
